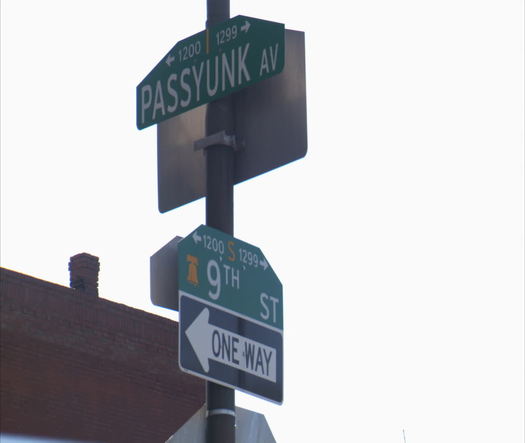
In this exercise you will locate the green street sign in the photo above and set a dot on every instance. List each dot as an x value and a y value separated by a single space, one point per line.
209 65
226 272
230 314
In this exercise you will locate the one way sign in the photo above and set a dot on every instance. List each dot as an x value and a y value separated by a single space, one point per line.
209 342
236 351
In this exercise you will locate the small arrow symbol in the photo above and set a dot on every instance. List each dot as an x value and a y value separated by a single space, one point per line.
196 237
264 264
246 26
170 59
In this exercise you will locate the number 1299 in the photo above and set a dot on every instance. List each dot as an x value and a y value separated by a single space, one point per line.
226 35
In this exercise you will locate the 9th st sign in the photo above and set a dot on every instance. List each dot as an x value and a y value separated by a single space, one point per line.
231 314
231 274
209 65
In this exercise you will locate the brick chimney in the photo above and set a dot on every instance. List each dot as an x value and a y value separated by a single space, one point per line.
83 273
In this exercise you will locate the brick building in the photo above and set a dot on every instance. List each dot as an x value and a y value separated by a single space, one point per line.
76 366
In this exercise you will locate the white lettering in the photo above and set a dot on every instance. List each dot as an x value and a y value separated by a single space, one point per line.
274 302
185 72
235 278
159 100
212 91
228 69
232 276
266 314
172 91
273 56
264 63
241 64
197 78
146 91
214 278
265 66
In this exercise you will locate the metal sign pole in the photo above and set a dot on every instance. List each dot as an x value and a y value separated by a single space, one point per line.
219 214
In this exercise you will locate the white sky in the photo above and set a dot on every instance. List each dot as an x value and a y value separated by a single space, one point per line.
398 238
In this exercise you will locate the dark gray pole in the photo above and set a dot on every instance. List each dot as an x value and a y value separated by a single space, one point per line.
220 400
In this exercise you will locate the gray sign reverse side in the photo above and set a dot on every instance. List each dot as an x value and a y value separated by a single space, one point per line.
270 130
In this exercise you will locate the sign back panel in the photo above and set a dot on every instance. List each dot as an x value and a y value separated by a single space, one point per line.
270 127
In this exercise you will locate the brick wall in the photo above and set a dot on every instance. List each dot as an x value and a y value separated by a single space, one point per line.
78 366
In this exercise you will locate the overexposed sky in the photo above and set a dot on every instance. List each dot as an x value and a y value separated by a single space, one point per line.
399 238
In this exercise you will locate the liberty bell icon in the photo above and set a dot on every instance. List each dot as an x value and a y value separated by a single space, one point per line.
193 263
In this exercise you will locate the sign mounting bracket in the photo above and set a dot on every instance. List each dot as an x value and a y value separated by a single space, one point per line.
217 139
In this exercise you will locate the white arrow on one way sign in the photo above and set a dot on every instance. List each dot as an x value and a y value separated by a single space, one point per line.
210 342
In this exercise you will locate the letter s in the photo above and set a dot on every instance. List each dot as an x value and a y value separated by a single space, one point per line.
266 315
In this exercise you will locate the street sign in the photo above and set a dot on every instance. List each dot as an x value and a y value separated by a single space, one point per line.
230 313
209 65
229 349
270 129
230 273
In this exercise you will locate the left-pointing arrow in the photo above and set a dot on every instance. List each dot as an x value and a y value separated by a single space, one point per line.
196 237
198 334
170 59
210 342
